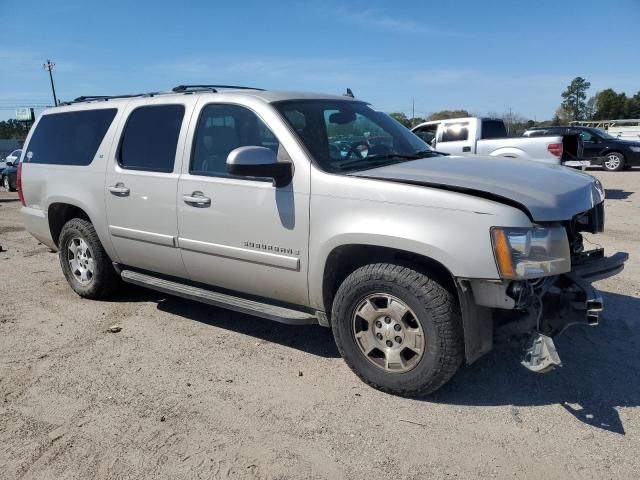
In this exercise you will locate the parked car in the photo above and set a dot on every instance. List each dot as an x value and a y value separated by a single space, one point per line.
8 174
613 154
12 157
417 261
488 136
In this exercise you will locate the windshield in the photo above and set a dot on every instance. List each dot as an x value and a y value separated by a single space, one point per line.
603 134
344 136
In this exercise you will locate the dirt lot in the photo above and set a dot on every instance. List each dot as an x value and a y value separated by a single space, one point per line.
188 391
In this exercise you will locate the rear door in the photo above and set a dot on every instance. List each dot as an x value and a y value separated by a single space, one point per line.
141 184
455 138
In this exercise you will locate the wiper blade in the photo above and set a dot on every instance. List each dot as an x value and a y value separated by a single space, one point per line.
429 153
388 156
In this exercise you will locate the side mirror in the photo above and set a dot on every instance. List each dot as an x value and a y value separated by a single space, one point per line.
9 163
259 162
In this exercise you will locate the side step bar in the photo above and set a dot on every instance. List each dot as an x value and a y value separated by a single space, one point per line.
222 300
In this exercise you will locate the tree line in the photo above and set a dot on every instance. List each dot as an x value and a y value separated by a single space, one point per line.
14 129
604 105
576 105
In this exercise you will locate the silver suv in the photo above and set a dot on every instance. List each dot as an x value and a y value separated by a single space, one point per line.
305 208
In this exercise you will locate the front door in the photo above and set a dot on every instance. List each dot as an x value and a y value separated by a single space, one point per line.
592 148
240 233
141 183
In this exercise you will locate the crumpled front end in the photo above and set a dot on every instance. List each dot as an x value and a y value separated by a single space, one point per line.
530 313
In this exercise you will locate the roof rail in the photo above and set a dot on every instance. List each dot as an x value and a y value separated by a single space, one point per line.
211 88
90 98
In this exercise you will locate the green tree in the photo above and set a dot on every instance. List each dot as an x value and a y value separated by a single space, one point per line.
13 129
574 98
633 106
611 105
402 118
445 114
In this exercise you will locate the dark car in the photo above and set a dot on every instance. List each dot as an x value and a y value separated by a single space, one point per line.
610 152
8 176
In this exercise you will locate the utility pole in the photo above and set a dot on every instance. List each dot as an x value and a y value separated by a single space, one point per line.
49 66
413 110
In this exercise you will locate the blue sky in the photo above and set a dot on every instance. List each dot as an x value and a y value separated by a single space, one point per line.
482 56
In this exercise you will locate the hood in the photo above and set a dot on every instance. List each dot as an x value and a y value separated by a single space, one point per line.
627 143
545 192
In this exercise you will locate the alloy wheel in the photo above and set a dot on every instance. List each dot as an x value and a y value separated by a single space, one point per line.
81 260
388 333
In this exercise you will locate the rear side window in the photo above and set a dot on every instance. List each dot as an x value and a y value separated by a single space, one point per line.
493 129
455 132
69 138
150 138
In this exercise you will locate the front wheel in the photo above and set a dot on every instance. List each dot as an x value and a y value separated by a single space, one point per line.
613 162
398 329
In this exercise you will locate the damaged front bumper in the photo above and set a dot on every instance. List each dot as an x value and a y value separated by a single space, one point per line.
531 313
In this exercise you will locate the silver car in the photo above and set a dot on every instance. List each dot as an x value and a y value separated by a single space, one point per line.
306 208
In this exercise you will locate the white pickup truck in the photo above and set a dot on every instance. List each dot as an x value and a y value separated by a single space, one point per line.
488 136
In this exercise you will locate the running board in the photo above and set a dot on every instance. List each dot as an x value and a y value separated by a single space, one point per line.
222 300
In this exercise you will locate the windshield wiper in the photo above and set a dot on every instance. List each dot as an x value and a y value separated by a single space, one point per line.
384 158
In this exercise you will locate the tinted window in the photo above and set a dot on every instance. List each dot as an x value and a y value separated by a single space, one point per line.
493 129
150 138
427 133
586 136
221 129
455 132
70 138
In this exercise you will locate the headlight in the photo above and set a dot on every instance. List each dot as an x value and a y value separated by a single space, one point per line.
523 253
635 149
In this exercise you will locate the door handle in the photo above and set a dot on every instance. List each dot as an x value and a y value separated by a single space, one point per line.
466 149
197 199
119 189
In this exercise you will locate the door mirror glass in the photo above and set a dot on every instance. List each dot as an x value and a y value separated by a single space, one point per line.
9 163
254 161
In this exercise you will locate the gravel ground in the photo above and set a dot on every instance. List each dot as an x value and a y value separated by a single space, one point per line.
189 391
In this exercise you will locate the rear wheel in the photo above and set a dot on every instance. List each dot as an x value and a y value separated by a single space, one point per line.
84 262
398 329
613 162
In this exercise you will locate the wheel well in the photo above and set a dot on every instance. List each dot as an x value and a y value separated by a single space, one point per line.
615 151
61 213
344 260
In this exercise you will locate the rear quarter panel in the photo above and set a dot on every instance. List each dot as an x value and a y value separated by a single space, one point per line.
80 186
527 148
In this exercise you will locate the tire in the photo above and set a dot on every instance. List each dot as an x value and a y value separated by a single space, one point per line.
90 274
613 162
432 309
6 183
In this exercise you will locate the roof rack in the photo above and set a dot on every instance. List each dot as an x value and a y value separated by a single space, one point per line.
92 98
211 88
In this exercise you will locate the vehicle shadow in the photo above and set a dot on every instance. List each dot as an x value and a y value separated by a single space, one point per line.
599 374
6 200
312 339
614 194
600 369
